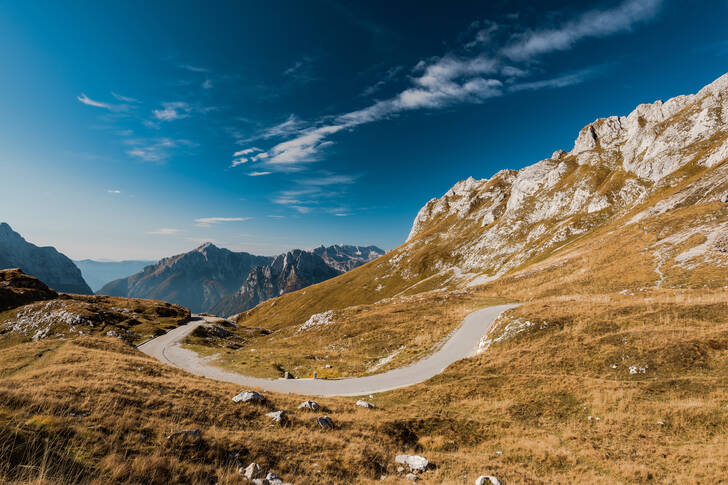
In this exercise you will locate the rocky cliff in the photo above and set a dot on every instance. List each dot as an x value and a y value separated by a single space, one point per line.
45 263
293 271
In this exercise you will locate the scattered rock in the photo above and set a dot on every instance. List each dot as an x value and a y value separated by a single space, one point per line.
325 422
192 433
365 404
312 405
400 469
487 479
112 333
274 479
411 476
252 471
415 463
79 414
277 416
249 396
661 423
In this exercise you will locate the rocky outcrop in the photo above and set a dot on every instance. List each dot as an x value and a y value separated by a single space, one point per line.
198 279
493 225
293 271
45 263
18 289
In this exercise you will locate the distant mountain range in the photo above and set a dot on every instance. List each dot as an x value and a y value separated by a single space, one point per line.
45 263
293 271
213 279
98 273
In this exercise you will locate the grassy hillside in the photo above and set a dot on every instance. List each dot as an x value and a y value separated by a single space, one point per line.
519 411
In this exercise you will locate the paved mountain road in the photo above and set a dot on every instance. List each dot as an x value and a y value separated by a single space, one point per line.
460 344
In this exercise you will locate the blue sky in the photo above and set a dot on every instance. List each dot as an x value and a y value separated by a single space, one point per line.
141 129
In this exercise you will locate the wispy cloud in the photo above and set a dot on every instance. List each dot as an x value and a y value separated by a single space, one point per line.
207 84
258 174
557 82
191 68
156 149
113 191
463 76
172 111
165 231
90 102
595 23
125 99
218 220
302 70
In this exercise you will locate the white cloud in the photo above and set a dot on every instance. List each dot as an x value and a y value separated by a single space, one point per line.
172 111
156 150
113 191
247 151
90 102
557 82
217 220
302 209
165 231
125 99
190 68
207 84
453 79
276 217
291 125
258 174
594 23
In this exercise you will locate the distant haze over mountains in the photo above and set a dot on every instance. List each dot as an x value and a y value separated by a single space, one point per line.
45 263
209 278
98 273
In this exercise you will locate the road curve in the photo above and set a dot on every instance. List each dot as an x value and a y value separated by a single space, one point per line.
462 343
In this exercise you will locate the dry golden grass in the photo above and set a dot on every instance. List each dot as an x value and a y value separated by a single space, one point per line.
360 336
134 319
529 396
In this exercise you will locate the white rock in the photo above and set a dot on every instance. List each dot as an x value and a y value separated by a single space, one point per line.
249 396
312 405
365 404
415 463
411 476
277 416
485 479
253 471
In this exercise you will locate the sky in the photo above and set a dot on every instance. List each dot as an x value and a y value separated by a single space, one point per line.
138 130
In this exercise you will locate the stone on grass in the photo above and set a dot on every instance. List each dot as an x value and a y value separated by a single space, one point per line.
249 396
277 416
325 422
312 405
365 404
411 476
487 479
415 463
253 471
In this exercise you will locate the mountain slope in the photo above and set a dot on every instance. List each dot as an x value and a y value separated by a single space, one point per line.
45 263
639 202
98 273
197 279
293 271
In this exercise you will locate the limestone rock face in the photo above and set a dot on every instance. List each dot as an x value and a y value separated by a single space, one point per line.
487 227
45 263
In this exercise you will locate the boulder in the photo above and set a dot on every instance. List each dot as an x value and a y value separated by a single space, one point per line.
253 471
415 463
312 405
487 479
411 476
277 416
249 396
325 422
365 404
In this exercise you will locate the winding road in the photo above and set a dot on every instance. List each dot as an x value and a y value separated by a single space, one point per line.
462 343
